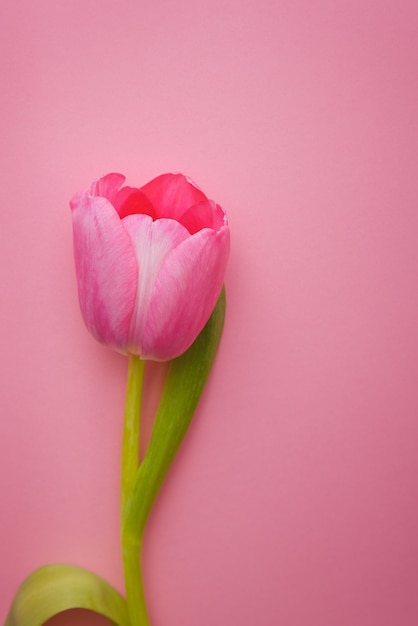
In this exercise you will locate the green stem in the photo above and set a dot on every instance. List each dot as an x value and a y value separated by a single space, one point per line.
131 547
135 597
130 443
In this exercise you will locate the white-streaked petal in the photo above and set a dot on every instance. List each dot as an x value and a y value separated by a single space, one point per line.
152 241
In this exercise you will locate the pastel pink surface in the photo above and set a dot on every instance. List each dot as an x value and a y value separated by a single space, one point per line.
293 500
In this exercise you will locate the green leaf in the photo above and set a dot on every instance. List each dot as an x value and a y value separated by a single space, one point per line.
56 588
184 385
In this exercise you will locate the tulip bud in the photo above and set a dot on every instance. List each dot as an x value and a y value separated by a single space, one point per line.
150 263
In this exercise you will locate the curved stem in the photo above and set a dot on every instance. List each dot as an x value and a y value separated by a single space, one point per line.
131 548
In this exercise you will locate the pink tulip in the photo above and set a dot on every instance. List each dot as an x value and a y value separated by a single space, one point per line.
150 262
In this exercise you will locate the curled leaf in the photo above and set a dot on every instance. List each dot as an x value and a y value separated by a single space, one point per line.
52 589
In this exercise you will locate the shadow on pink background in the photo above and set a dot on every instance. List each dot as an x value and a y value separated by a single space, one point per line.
293 501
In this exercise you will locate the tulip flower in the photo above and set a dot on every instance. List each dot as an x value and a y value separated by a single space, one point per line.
150 262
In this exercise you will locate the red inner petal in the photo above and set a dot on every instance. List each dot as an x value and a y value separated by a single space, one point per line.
172 195
206 214
131 201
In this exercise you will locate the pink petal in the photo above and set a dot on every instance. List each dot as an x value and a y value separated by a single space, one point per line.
185 293
107 186
106 267
153 241
172 194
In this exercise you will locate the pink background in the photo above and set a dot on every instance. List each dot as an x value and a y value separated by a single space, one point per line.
294 500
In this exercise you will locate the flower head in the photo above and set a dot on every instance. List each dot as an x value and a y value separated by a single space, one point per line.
150 262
